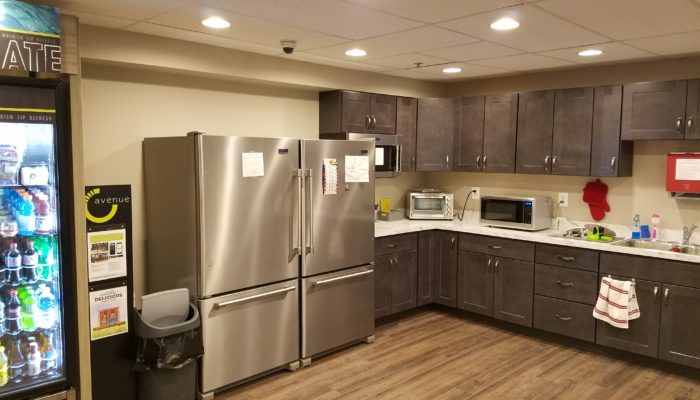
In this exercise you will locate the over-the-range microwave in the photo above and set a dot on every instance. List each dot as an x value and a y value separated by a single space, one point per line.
387 151
526 213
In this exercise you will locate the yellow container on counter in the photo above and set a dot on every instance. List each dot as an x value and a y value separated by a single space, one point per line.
384 205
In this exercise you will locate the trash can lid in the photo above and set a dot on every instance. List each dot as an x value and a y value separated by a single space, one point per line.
165 308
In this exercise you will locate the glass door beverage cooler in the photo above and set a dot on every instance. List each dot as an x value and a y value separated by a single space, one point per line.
37 289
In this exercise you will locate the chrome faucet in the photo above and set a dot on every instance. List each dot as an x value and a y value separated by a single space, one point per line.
688 232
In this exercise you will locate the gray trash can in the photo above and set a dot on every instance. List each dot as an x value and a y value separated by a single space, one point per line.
167 349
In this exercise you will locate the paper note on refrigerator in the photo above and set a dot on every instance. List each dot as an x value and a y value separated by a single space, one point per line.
330 176
356 168
253 164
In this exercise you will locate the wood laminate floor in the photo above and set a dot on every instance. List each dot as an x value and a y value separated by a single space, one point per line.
435 355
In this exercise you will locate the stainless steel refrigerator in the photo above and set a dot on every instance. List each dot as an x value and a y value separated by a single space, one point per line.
274 243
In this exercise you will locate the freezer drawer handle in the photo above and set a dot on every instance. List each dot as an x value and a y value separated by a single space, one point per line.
254 297
341 278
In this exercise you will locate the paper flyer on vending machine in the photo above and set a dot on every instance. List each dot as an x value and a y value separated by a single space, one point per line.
108 312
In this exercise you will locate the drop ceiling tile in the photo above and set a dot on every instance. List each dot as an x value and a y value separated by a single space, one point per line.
244 28
333 17
414 40
538 31
628 19
670 45
473 51
86 18
128 9
523 62
434 11
468 71
612 51
404 61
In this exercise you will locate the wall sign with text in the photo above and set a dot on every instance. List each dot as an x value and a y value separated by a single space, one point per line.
30 37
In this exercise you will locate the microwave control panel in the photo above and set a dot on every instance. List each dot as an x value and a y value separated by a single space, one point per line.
527 212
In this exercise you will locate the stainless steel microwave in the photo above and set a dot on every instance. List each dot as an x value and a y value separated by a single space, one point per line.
387 151
526 213
429 204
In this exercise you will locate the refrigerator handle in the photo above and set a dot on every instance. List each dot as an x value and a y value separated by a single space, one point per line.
254 297
298 175
310 202
399 149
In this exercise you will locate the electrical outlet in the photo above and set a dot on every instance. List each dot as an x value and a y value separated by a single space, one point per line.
477 193
563 199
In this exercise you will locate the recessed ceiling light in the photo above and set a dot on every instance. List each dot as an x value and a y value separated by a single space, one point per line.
216 23
356 53
505 24
452 70
590 52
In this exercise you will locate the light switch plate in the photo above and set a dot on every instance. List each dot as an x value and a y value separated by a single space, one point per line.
477 194
563 200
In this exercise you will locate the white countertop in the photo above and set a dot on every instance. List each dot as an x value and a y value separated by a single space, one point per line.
382 228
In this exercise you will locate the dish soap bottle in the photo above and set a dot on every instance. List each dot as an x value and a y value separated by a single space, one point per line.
636 232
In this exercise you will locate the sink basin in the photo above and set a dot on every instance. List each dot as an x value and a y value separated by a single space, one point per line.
662 246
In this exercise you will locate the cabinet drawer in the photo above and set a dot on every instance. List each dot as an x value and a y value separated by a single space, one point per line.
651 269
567 257
566 283
565 318
500 247
396 243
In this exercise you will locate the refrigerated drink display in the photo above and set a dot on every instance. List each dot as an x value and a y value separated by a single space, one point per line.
30 287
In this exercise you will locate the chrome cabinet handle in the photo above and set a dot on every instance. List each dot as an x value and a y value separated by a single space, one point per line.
310 243
679 124
546 164
554 162
488 266
495 267
447 161
391 245
656 295
478 161
374 122
254 297
690 127
666 301
566 258
413 161
341 278
452 241
565 284
560 318
392 260
486 165
495 247
612 163
396 262
368 122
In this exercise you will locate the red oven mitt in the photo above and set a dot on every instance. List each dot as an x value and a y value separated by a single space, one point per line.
595 194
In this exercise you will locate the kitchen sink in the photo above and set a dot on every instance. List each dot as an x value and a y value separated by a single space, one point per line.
662 246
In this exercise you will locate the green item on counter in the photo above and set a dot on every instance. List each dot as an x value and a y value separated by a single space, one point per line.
606 238
593 236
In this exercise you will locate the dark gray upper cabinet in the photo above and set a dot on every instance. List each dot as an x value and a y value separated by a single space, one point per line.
680 325
513 290
445 269
356 112
610 156
654 110
469 134
403 283
475 283
434 134
692 112
382 285
535 123
500 126
427 246
573 123
406 120
642 337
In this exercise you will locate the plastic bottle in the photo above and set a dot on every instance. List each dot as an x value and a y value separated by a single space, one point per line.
3 366
44 220
30 259
49 358
46 315
26 218
13 266
636 232
2 318
16 362
33 360
13 321
30 311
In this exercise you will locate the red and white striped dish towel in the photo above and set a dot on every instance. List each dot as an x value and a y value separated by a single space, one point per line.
617 303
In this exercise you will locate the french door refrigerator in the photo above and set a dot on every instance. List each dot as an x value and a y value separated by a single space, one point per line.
38 352
234 220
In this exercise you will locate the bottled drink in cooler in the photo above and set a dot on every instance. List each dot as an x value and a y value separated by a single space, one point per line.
13 265
2 318
14 314
33 360
15 362
49 358
30 310
26 218
44 218
3 366
30 259
46 317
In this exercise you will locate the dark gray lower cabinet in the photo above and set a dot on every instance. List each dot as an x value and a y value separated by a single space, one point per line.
445 269
564 317
427 246
403 282
382 286
475 283
680 325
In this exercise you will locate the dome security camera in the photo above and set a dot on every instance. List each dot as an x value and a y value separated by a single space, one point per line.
288 46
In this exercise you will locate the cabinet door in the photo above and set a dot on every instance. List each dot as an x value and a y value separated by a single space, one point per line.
692 112
383 266
642 337
513 290
469 134
534 143
427 246
573 124
680 325
445 272
434 134
403 282
609 155
500 125
355 112
653 110
475 283
406 114
383 109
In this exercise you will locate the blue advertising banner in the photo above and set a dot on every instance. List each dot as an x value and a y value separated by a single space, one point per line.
29 37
